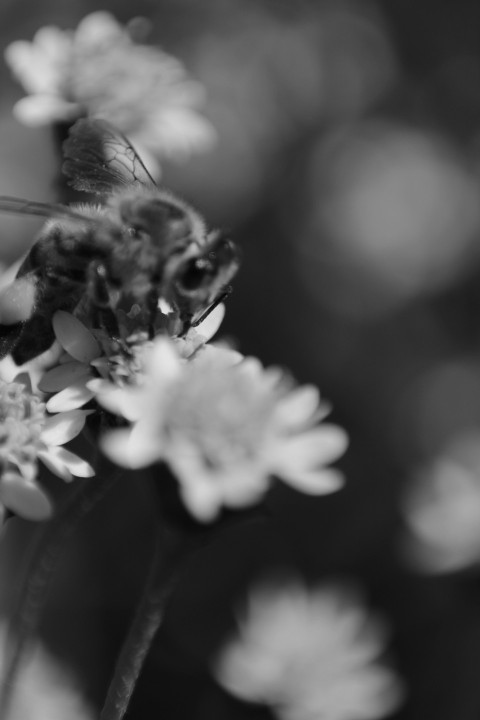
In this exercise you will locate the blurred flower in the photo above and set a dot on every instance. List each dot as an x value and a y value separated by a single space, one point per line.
28 434
442 508
88 355
97 70
224 427
309 654
394 211
44 689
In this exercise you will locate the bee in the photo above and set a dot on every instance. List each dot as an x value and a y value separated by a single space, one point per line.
140 244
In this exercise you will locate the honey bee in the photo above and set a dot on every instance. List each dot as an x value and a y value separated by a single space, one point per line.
139 245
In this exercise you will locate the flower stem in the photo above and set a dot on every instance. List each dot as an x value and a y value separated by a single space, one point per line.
47 552
171 552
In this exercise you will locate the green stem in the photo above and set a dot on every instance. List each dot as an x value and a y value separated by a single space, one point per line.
169 557
48 550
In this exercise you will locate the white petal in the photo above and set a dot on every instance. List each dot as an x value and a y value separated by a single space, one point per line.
313 482
127 403
77 340
61 376
54 464
37 110
71 398
64 463
310 450
298 406
63 427
162 362
117 446
25 498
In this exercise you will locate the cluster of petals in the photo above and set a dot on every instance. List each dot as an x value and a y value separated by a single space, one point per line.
309 654
28 434
98 70
86 355
225 426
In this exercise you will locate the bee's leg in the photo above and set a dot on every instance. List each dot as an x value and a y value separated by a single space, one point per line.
220 298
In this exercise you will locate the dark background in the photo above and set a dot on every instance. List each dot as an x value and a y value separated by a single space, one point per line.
347 169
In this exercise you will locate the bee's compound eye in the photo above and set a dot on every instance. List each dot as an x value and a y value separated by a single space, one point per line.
195 274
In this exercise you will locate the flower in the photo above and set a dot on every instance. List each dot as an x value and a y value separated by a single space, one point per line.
309 654
442 508
224 426
45 689
87 355
98 70
28 434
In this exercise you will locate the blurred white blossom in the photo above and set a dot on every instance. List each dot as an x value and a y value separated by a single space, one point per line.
29 434
442 508
98 70
309 654
224 426
44 690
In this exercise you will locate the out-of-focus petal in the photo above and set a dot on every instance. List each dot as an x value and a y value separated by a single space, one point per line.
74 337
38 110
71 398
61 376
63 427
24 497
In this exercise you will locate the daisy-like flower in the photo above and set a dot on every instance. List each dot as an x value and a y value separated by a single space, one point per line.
87 355
98 70
29 434
224 427
309 654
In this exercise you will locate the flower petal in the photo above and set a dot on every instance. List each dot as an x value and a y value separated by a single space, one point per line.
61 376
298 407
308 451
117 446
37 110
66 463
63 427
71 398
24 497
74 337
315 482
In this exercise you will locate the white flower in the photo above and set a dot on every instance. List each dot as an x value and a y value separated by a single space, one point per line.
28 434
88 355
44 689
99 71
225 427
442 508
309 654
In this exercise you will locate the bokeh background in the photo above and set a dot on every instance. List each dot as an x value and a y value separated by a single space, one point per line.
347 168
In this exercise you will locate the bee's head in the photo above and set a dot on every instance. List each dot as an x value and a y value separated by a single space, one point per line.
198 278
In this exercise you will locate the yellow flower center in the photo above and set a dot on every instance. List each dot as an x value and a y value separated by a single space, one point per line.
22 417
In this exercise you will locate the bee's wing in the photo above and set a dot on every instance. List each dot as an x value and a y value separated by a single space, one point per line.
48 210
98 159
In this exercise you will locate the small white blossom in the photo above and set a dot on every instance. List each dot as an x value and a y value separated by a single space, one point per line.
442 508
224 426
44 690
29 434
99 71
309 654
